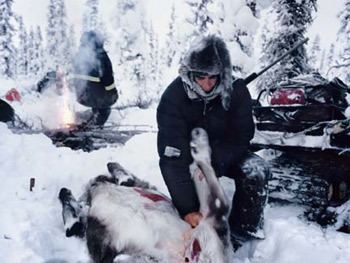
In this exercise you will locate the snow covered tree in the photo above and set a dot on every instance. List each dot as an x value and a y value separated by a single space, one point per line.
315 53
200 16
171 43
71 47
291 23
57 34
131 37
40 52
236 23
7 49
153 61
344 38
35 52
22 50
252 5
322 61
330 56
90 17
31 55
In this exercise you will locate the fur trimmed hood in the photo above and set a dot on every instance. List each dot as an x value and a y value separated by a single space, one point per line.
208 55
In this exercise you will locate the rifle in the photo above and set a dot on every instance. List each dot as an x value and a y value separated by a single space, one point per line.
254 75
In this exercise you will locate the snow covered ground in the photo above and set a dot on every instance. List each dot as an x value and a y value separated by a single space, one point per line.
31 228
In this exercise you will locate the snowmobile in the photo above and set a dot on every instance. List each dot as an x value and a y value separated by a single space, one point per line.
303 130
303 124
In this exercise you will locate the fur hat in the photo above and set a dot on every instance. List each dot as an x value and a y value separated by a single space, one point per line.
208 55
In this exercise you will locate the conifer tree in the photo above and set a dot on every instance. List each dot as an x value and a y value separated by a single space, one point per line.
252 6
39 49
315 53
322 61
57 34
344 38
130 49
35 52
90 17
331 63
291 23
231 23
171 45
153 63
200 16
22 59
330 56
7 48
31 54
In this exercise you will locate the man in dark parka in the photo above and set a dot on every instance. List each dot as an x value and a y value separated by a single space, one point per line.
93 77
204 95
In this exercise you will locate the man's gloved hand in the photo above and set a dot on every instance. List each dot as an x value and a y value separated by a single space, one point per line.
193 218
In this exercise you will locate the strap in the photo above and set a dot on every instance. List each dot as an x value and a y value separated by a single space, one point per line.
86 77
110 87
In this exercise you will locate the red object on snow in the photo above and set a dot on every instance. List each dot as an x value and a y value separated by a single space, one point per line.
288 96
13 95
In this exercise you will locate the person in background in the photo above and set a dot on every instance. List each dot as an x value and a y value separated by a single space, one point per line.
205 95
93 78
52 79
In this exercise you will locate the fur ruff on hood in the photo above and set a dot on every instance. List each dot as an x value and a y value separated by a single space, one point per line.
208 55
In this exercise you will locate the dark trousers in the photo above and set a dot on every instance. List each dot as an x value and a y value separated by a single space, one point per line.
247 212
100 116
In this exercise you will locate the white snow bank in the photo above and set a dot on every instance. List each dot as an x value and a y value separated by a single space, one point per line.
31 221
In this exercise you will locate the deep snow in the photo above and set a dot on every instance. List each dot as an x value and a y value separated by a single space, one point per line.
31 227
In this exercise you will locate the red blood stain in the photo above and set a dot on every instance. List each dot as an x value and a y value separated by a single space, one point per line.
152 196
196 249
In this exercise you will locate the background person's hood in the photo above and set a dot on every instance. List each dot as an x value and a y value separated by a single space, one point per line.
208 55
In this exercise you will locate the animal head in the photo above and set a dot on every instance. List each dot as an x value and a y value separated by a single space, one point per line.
199 144
206 246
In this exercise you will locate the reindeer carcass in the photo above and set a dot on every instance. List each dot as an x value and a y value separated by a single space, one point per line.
126 216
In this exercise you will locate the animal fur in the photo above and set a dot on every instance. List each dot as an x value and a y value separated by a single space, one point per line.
128 216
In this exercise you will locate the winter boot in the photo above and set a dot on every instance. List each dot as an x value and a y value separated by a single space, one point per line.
101 116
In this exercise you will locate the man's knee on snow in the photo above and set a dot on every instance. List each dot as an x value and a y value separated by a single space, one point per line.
247 217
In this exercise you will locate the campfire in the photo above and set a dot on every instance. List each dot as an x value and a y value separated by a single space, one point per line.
68 120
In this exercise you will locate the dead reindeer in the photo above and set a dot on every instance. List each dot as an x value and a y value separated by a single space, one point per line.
122 215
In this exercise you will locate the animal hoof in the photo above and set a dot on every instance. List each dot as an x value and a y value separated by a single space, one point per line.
65 195
111 167
77 229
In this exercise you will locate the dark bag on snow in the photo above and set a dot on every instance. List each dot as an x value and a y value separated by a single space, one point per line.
7 113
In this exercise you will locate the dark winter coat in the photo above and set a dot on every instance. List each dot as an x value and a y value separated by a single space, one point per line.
226 118
93 78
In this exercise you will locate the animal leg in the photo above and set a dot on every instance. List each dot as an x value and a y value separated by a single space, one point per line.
71 214
125 178
215 198
99 242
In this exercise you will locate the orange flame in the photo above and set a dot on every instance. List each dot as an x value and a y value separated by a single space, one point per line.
68 115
